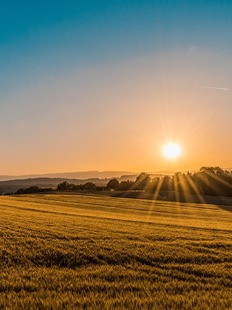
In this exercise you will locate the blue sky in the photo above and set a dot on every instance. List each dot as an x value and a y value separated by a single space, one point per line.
82 46
48 36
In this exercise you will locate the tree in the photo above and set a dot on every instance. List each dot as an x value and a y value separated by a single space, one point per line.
113 184
213 170
63 186
167 183
89 186
142 180
125 185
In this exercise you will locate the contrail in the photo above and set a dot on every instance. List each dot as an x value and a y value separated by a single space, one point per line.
217 88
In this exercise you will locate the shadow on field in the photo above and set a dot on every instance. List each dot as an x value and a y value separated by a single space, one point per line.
224 203
226 208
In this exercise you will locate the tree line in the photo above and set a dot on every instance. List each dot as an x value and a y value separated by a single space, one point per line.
212 181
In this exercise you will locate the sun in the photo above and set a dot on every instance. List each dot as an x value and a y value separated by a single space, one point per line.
171 151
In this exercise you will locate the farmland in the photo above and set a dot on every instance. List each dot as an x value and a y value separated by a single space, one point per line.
67 251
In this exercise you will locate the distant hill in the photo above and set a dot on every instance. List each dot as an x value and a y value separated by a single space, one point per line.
12 186
83 175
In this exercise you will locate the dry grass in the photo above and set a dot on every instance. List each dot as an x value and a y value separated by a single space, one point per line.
89 252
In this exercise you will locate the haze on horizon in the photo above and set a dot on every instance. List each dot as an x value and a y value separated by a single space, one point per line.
104 85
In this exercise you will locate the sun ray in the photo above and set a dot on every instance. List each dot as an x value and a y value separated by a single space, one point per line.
217 178
154 199
195 189
215 187
176 191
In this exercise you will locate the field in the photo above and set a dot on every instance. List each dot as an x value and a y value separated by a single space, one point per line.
95 252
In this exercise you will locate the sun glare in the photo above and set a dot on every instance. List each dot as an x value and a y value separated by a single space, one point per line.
171 150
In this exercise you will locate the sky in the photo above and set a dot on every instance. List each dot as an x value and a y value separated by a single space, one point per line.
104 85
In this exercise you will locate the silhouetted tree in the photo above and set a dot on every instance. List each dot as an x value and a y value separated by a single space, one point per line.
125 185
154 184
89 186
166 183
142 181
32 190
213 170
63 186
113 184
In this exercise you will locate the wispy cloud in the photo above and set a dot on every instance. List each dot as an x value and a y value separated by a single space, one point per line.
217 88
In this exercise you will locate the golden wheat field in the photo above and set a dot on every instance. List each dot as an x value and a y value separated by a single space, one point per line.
63 251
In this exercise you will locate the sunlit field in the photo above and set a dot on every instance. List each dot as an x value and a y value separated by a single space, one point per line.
95 252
